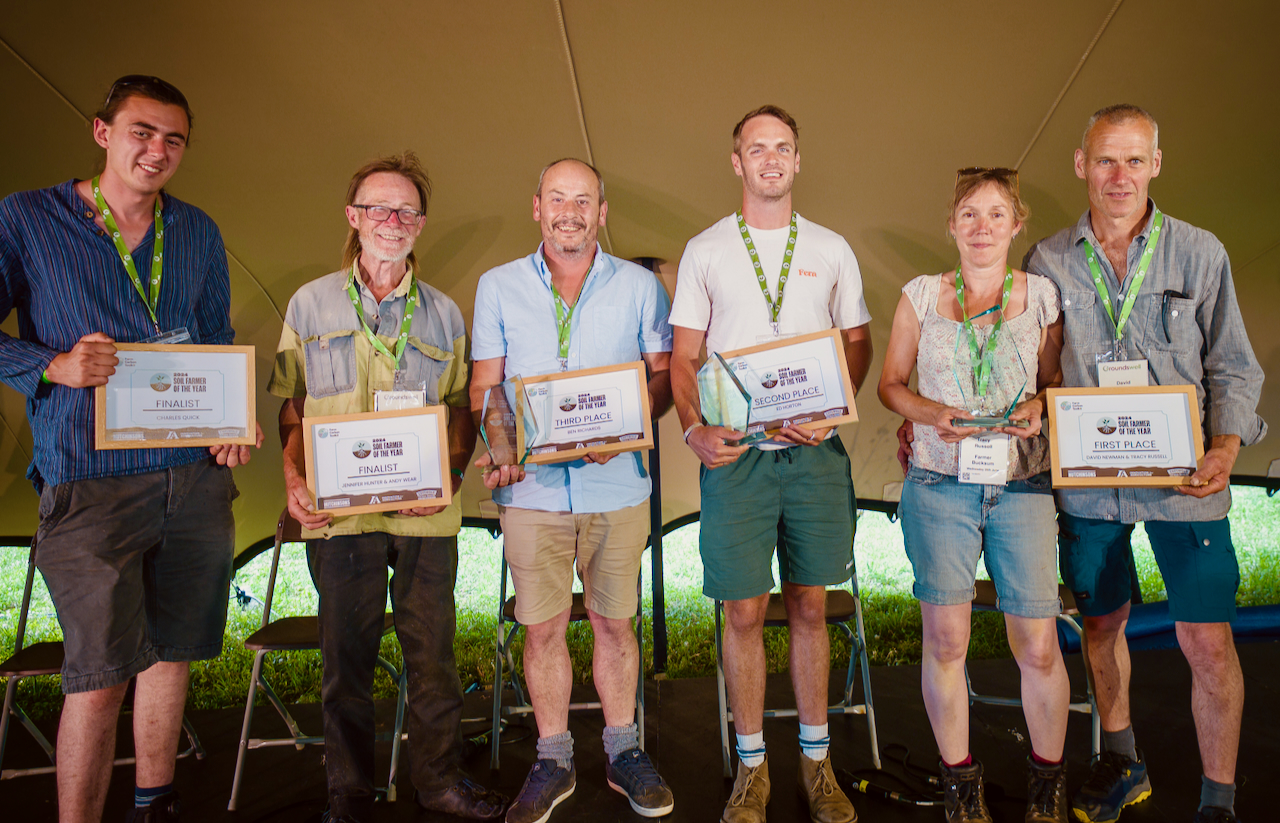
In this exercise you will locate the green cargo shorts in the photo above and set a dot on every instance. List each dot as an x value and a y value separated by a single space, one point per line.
799 499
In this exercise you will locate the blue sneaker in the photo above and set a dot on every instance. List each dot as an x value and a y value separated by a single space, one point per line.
546 787
633 775
1114 782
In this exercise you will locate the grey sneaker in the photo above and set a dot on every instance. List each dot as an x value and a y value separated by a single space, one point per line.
545 788
632 774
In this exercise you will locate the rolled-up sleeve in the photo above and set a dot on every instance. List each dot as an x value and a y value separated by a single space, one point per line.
1232 374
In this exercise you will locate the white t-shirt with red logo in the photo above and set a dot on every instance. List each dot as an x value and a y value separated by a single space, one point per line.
717 290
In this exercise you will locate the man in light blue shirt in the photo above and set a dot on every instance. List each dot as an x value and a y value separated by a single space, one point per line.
570 306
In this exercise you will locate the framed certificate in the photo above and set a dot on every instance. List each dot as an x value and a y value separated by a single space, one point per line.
800 380
1130 436
162 396
378 461
601 410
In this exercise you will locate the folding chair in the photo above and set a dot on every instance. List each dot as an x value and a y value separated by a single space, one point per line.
41 660
842 608
505 675
985 600
287 634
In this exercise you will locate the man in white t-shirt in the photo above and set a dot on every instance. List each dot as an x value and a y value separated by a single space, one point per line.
793 491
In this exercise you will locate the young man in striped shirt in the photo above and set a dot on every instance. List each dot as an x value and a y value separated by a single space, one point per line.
135 545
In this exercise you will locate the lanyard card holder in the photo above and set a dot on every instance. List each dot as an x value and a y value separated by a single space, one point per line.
403 393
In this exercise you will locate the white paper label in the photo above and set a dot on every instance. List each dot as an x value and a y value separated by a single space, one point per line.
1123 373
399 399
984 458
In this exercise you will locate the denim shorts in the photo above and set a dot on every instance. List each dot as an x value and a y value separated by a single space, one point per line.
138 568
947 525
1196 559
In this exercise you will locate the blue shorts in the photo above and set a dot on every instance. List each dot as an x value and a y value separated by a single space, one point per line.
1196 559
947 525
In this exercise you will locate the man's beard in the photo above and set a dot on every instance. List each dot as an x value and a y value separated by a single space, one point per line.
386 256
571 251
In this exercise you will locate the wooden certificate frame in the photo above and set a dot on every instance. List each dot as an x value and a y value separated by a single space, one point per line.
1146 436
160 397
777 364
392 437
610 392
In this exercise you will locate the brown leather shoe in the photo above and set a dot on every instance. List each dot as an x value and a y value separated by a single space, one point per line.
466 798
750 795
827 802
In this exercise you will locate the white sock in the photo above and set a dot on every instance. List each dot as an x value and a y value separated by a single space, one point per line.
751 749
814 741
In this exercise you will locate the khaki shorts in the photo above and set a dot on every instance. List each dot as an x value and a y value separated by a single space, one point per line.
541 548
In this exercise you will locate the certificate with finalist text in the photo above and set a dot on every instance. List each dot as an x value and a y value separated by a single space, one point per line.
1124 436
378 461
176 395
601 410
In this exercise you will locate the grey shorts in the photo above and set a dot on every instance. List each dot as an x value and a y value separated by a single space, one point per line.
138 568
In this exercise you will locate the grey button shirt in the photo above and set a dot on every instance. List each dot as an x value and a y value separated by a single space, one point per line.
1199 341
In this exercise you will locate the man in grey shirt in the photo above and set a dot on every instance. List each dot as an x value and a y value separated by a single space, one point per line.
1184 321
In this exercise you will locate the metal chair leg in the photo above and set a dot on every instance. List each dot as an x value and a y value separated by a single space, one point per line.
244 730
723 696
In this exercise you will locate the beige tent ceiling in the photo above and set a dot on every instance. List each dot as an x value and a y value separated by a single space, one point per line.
291 97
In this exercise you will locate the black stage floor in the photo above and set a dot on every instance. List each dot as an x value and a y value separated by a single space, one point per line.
283 785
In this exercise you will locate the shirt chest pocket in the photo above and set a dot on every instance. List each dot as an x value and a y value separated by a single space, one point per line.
331 363
1080 319
426 365
612 335
1172 325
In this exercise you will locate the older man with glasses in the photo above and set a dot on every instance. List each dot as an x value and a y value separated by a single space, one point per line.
370 332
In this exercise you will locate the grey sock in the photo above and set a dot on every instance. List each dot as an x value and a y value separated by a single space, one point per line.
557 747
1219 795
619 739
1120 742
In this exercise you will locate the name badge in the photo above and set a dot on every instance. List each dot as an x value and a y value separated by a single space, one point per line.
1123 373
399 399
984 458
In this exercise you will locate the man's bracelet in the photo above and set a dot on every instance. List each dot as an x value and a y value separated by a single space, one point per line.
461 474
44 377
689 431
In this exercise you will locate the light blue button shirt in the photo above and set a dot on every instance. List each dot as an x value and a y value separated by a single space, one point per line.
620 315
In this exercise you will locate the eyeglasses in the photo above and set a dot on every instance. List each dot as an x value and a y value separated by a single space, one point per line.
144 81
996 171
381 214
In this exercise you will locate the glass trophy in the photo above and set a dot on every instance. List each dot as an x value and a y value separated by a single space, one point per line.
507 424
725 401
991 377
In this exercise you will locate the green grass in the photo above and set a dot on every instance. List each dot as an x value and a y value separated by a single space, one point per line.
891 615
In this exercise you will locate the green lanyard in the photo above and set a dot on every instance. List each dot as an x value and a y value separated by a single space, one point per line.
564 325
1100 283
403 339
775 307
984 361
157 262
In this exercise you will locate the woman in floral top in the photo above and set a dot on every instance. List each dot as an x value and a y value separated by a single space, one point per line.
983 337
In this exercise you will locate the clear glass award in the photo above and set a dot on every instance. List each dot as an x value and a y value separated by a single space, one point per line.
990 375
725 401
507 424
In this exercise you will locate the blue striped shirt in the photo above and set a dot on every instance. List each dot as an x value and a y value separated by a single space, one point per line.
64 277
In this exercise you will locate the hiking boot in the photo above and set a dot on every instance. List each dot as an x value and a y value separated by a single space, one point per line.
963 798
827 803
632 774
545 788
1215 814
750 795
164 809
1114 782
1046 792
